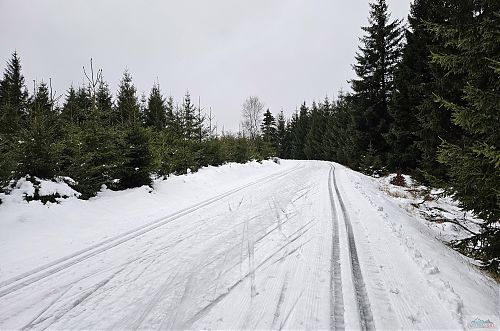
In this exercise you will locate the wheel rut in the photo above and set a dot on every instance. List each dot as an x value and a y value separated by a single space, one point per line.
362 301
336 296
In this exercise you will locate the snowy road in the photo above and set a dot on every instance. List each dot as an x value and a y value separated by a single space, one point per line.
312 246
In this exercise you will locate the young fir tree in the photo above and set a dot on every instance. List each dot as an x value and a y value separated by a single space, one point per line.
156 110
474 165
172 124
202 132
70 144
84 105
165 142
377 60
138 157
13 97
190 122
136 151
96 154
38 153
13 101
127 109
70 107
104 102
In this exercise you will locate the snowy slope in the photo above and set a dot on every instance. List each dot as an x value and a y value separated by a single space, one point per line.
300 245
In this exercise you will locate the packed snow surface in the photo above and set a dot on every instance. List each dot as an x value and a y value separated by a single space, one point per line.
295 245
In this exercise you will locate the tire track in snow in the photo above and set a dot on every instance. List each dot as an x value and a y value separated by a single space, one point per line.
336 296
37 274
362 300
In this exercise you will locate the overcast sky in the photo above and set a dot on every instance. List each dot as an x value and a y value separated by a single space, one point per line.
284 51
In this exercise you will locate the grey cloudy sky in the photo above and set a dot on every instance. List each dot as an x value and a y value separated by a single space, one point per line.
284 51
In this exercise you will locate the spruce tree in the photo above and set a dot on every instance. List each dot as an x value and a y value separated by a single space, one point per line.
70 131
13 101
137 156
341 138
156 110
281 135
13 97
313 147
269 134
300 129
84 105
202 132
419 123
127 106
473 165
287 141
104 102
172 124
268 128
411 78
69 108
96 155
375 67
190 122
38 153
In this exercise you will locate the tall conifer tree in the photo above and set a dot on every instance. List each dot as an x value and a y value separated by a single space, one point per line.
281 134
419 123
268 128
473 165
300 129
375 67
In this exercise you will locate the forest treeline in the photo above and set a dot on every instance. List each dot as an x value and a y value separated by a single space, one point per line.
97 140
425 101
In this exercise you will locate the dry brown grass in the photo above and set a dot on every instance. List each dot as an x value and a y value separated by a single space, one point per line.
395 194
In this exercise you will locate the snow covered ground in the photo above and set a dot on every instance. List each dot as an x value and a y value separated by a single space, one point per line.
296 245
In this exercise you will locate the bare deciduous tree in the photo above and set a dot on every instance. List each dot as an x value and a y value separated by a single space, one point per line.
252 116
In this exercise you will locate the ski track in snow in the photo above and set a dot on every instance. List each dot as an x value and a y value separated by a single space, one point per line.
306 248
37 274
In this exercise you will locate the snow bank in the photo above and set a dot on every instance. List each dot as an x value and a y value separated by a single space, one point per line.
25 190
440 213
